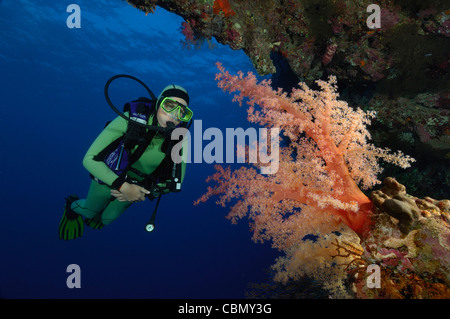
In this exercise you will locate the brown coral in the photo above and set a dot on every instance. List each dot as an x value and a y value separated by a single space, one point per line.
410 241
393 200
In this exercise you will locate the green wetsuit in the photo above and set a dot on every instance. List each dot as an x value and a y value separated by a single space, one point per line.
98 204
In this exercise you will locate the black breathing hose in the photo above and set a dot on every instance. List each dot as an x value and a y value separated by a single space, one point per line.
152 127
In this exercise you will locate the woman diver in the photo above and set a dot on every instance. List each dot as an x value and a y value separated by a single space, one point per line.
146 166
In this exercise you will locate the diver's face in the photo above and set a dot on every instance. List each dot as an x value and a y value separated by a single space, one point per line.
164 117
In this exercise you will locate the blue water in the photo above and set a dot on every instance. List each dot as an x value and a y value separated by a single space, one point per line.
52 108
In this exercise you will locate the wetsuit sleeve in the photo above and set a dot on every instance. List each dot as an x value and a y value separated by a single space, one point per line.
110 133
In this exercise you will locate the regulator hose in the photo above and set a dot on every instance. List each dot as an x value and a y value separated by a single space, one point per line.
152 96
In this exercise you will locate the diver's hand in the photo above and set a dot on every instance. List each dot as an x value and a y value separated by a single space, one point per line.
130 193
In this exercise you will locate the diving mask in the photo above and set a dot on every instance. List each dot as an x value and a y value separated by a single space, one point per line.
184 113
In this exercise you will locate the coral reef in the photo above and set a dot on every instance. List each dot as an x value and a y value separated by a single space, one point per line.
302 30
327 157
315 193
411 245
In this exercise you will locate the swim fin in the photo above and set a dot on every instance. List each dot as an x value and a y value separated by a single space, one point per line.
71 225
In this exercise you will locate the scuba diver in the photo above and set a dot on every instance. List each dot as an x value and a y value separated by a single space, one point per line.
130 160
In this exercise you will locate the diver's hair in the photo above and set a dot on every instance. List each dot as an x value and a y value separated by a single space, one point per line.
173 90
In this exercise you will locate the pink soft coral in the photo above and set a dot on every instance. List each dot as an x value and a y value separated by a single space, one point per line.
316 185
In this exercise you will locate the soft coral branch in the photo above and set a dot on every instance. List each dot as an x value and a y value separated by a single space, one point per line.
327 156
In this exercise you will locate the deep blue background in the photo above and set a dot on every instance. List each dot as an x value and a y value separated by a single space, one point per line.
52 107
